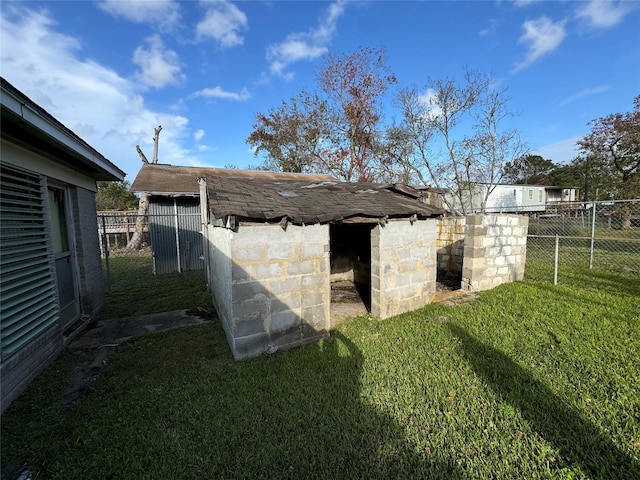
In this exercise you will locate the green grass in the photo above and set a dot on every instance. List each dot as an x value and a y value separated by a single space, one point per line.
609 253
135 290
528 381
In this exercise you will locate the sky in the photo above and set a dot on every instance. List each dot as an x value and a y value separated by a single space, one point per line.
113 70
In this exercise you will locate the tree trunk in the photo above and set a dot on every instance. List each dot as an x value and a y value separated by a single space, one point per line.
141 220
135 241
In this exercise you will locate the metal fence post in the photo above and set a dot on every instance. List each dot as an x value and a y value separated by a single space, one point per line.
593 235
555 261
105 248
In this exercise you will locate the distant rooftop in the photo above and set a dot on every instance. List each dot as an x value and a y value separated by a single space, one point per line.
164 179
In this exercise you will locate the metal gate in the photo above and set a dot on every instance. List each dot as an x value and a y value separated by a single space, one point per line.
175 234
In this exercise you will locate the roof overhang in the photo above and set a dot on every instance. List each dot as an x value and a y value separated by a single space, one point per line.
28 125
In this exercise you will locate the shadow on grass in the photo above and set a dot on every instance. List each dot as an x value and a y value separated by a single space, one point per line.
310 421
578 440
177 406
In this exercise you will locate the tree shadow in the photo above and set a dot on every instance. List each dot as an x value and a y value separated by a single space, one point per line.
578 440
317 389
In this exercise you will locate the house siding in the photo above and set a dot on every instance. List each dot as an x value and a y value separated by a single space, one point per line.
24 365
91 290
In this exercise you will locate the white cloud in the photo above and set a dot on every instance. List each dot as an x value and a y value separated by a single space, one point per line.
430 102
587 92
493 24
603 13
198 135
218 92
541 36
159 66
102 107
163 13
305 45
223 21
525 3
559 152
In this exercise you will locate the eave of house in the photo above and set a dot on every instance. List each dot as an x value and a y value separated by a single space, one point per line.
28 125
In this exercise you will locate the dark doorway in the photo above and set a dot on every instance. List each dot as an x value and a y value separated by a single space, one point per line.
350 260
62 249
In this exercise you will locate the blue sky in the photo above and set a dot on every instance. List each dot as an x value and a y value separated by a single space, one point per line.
113 70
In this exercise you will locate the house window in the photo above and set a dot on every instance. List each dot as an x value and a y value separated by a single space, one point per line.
58 221
29 304
540 196
530 194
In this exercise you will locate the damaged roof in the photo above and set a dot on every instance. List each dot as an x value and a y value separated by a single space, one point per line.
162 179
312 201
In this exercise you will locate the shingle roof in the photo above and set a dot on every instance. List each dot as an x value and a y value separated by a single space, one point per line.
168 179
312 201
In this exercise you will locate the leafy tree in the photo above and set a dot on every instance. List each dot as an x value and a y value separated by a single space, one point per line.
292 135
530 170
334 131
354 86
614 142
115 196
438 148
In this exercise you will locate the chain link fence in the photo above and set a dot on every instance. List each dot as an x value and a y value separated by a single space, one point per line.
603 235
159 271
165 271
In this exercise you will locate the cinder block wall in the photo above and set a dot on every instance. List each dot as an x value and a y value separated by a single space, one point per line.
495 250
279 287
219 275
450 244
403 266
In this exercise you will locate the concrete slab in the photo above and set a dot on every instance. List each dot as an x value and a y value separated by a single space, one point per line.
117 331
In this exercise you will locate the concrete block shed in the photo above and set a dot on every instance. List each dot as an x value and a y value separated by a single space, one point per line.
275 242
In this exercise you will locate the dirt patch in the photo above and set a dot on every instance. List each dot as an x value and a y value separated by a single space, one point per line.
457 297
346 301
85 367
92 348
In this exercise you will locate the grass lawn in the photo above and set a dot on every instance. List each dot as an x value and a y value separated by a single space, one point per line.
613 249
135 290
527 381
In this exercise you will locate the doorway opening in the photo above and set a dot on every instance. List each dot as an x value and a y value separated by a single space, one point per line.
350 259
64 258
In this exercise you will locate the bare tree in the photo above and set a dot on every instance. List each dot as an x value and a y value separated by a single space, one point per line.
455 139
491 147
135 241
